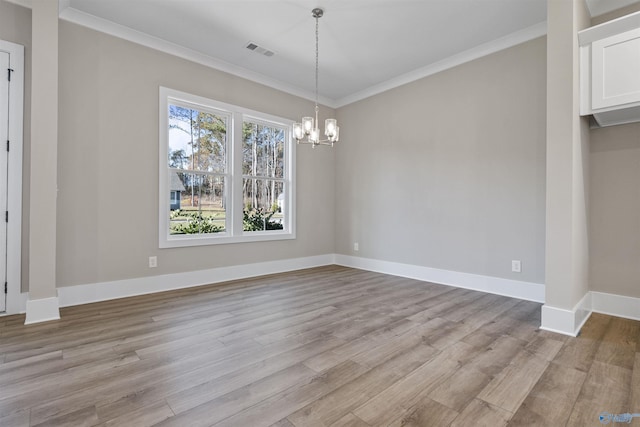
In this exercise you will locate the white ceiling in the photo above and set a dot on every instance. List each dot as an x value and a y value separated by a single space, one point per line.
366 46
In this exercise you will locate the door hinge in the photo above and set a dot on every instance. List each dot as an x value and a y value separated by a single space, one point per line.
7 145
5 288
9 71
6 216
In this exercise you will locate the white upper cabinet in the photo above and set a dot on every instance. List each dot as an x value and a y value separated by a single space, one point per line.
616 70
610 71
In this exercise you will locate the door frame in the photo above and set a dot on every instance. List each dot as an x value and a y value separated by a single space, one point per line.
14 175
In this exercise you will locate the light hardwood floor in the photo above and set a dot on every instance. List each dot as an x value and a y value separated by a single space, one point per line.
329 346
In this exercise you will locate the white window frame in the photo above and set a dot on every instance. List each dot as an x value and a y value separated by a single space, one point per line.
233 179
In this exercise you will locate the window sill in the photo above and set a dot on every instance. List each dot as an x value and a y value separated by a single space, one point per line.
181 241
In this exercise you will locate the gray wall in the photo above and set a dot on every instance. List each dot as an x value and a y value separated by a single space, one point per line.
614 227
615 210
449 171
107 159
15 27
632 8
108 162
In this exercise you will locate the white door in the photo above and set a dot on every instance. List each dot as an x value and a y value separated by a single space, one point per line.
4 136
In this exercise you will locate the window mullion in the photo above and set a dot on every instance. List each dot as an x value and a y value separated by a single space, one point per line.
235 174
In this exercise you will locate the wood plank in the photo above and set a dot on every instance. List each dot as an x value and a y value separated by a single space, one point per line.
634 401
142 417
330 408
495 356
545 348
350 420
426 413
18 419
241 398
281 404
551 400
190 388
618 346
283 423
460 389
393 402
511 386
482 414
606 388
580 353
359 349
85 417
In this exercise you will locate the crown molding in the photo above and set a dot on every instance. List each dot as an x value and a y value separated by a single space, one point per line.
485 49
120 31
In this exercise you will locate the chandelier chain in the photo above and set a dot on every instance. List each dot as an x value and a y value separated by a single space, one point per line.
317 73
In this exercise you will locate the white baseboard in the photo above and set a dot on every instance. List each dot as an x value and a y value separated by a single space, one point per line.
554 319
42 310
567 322
615 305
103 291
494 285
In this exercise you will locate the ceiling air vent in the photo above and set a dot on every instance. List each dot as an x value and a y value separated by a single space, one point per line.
259 49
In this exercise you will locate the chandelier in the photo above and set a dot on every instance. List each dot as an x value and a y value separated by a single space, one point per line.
307 132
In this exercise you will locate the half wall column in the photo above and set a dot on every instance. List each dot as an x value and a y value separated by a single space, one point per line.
566 305
43 296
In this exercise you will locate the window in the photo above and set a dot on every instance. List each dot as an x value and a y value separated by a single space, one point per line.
226 173
263 175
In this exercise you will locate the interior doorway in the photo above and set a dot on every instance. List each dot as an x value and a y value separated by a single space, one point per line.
11 141
4 167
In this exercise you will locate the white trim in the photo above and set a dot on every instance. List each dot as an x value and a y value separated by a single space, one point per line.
14 175
493 285
566 322
608 29
42 310
104 291
95 292
615 305
513 39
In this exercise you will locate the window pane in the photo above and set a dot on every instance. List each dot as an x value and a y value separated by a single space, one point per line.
263 150
200 206
197 140
264 201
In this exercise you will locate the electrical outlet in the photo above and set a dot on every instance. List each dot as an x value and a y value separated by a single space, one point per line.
153 261
356 247
516 266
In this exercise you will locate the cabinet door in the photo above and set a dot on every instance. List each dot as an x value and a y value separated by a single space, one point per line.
615 78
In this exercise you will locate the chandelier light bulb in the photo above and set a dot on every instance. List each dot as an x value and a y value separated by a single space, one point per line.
330 126
314 136
307 125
